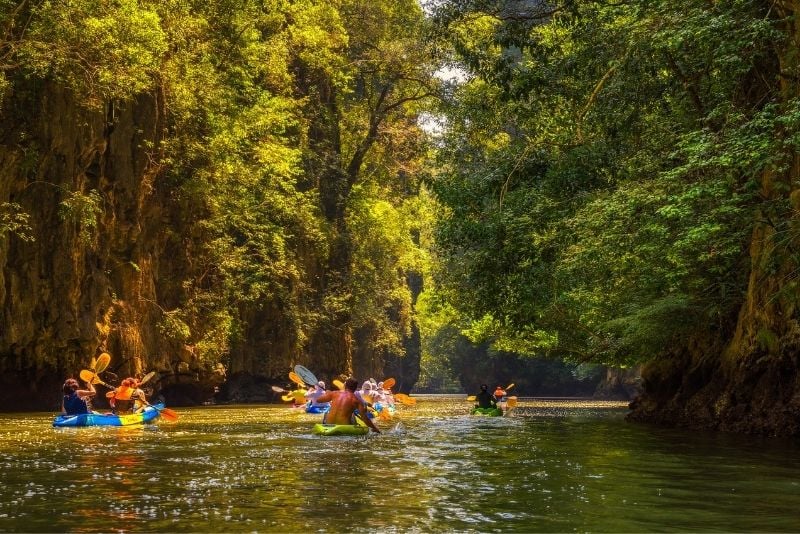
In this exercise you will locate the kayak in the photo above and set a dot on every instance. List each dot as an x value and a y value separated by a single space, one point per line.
318 409
323 429
100 419
491 412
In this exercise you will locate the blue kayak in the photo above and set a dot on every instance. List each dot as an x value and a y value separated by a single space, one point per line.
101 419
323 408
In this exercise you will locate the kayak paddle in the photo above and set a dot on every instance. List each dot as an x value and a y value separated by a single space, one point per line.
166 413
97 366
91 377
147 377
102 362
471 398
307 376
294 377
388 383
402 398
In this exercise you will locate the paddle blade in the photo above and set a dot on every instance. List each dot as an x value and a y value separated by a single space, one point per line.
471 398
405 399
168 414
294 377
510 386
147 377
102 362
276 389
307 376
512 401
388 383
87 376
338 384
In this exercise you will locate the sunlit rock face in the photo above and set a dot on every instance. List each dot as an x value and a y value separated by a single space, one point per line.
102 275
96 276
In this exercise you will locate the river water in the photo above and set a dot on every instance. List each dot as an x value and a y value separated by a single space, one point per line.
548 466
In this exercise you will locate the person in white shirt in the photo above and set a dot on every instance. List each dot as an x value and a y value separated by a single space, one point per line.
315 393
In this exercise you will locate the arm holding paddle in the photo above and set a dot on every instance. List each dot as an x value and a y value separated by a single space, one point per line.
344 404
73 393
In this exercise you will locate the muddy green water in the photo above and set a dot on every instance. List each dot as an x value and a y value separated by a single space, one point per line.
550 466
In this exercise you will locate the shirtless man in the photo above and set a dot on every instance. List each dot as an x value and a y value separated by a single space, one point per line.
343 404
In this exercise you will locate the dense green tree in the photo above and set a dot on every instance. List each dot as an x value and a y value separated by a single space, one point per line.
601 168
282 164
620 186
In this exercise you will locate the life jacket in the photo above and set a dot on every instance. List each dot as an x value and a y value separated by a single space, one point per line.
74 405
124 393
499 393
124 399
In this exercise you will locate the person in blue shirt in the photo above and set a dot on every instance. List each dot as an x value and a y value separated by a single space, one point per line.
76 400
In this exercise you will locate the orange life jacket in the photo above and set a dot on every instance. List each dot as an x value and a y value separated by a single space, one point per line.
124 393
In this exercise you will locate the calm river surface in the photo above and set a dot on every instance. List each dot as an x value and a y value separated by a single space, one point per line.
549 466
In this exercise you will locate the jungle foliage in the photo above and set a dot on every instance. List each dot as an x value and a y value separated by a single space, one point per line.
603 166
289 139
598 177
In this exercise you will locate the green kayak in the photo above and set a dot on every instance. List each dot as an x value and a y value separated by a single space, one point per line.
492 412
339 430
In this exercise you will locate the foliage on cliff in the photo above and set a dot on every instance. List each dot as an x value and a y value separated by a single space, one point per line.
619 183
282 168
602 166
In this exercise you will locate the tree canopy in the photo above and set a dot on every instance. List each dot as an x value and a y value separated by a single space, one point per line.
602 168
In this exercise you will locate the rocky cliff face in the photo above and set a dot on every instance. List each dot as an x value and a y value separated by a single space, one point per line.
746 376
90 281
112 249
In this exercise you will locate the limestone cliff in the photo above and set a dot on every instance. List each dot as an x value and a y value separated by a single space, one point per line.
90 280
745 375
111 253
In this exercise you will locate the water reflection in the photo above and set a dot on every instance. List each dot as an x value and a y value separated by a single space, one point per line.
547 467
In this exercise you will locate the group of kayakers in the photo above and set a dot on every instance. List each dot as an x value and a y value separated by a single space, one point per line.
127 398
341 407
372 393
496 400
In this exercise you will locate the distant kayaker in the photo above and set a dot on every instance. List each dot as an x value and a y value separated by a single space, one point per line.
128 397
485 399
365 394
76 400
344 404
315 393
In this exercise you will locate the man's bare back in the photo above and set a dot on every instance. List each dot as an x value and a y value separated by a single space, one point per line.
343 404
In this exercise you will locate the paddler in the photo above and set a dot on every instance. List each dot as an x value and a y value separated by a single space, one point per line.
344 405
500 395
76 400
127 397
485 399
315 393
